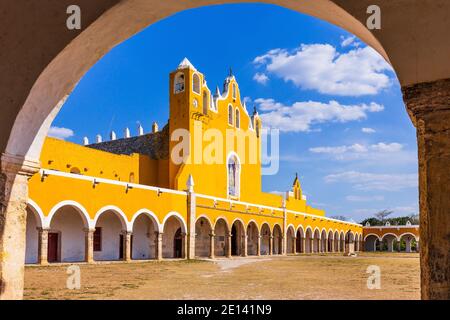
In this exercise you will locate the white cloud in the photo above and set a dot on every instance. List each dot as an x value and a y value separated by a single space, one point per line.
359 148
346 41
60 133
373 181
261 78
320 67
364 198
368 130
301 115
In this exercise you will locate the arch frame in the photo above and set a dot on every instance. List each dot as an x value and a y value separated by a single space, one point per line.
149 214
38 213
372 234
417 238
87 221
178 216
126 225
390 234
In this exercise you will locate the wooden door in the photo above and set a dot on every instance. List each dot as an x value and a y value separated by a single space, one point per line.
52 254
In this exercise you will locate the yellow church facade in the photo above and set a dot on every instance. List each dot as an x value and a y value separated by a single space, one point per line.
189 190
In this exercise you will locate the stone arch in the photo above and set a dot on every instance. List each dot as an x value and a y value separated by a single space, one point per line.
323 240
265 234
277 238
300 239
316 240
336 241
81 210
409 240
145 227
67 224
330 241
238 234
34 222
252 238
221 234
290 240
389 241
370 242
174 236
203 234
308 240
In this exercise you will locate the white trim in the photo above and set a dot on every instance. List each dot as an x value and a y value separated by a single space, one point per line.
314 233
390 234
238 219
256 224
293 229
310 230
149 214
268 226
179 218
277 224
87 221
226 223
207 219
119 213
414 226
109 181
38 213
332 234
300 227
372 234
409 233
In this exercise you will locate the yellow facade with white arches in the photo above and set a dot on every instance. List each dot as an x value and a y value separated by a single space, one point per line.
225 179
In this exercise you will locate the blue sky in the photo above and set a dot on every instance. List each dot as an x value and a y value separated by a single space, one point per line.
344 126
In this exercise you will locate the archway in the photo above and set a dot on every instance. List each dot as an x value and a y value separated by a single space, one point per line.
277 240
252 239
300 240
408 243
336 241
370 242
389 242
349 242
290 240
144 244
330 241
323 241
203 232
316 241
342 242
237 238
109 236
34 223
221 233
174 238
308 241
265 239
66 236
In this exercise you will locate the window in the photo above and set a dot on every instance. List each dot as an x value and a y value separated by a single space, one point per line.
238 120
179 83
230 115
233 168
196 83
205 103
234 90
98 239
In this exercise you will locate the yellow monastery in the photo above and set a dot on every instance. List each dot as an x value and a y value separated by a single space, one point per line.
171 194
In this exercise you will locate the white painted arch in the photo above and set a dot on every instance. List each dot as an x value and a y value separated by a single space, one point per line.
88 222
255 223
409 234
149 214
226 223
372 234
179 217
390 234
126 225
38 213
203 216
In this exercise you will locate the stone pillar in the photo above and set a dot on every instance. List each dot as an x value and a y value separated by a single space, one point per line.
428 105
184 253
390 245
228 245
284 235
159 245
270 245
211 246
245 251
192 218
43 246
126 246
304 244
408 244
89 245
326 246
258 245
14 175
294 245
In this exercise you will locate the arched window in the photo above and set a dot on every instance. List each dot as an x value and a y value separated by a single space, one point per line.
238 119
131 177
230 115
179 83
233 167
205 103
196 83
234 91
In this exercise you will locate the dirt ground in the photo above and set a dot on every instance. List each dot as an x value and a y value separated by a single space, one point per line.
291 277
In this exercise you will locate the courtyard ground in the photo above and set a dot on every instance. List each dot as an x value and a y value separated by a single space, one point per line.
291 277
